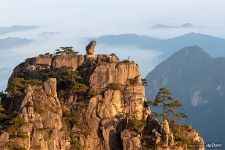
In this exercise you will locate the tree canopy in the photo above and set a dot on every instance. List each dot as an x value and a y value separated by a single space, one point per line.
171 109
65 51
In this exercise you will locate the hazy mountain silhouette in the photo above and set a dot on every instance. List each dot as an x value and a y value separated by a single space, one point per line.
12 42
15 28
213 45
197 79
165 26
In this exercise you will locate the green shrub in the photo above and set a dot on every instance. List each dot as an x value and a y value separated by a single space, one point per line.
19 134
92 92
85 130
79 87
48 54
144 82
16 86
115 86
44 66
61 93
72 118
180 133
67 80
14 146
126 61
113 54
136 124
38 107
79 121
15 124
146 104
3 116
74 141
182 139
131 81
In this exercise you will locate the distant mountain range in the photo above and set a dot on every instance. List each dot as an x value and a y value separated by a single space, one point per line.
12 42
165 26
15 28
213 45
197 79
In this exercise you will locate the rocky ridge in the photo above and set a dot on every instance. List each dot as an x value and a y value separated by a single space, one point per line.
90 102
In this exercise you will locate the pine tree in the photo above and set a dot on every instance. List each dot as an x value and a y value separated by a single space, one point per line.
65 51
171 108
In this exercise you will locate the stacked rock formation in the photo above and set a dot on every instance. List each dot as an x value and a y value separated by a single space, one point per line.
103 107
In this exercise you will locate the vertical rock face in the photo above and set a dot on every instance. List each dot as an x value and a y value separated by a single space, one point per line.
106 74
41 111
91 102
130 142
167 136
68 61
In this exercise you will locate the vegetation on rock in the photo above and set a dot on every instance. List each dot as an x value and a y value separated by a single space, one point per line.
91 93
62 113
16 86
65 51
137 125
172 111
115 86
14 127
171 108
180 133
126 61
3 116
67 81
14 146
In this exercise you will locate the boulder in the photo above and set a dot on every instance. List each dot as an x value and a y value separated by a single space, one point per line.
91 48
130 140
4 137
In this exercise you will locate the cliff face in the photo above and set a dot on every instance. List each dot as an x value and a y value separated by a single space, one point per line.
90 102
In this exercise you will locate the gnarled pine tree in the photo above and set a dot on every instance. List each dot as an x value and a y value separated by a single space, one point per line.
171 108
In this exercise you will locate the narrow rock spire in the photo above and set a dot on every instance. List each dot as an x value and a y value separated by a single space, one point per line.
91 48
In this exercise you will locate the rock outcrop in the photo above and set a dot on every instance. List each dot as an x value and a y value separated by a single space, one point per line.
91 48
90 102
167 136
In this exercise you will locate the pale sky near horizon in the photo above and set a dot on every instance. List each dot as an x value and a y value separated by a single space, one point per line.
96 17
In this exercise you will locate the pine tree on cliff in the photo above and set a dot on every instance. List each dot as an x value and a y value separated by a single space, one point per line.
171 108
65 51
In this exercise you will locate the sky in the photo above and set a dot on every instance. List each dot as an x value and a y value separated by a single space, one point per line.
77 19
97 17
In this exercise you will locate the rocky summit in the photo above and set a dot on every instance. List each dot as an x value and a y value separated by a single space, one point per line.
68 101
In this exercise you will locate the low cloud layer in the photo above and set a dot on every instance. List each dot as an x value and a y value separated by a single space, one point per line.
147 59
63 23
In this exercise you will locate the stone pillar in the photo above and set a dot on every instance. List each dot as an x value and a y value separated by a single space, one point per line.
91 50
